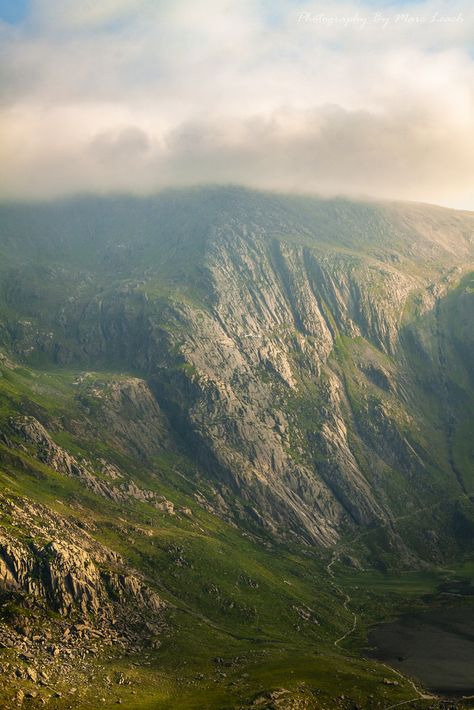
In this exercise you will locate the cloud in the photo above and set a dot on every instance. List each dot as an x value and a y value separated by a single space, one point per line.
140 95
87 14
120 146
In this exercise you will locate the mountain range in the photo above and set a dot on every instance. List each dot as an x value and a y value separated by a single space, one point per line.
236 432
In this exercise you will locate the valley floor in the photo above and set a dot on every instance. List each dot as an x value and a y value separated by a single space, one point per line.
241 621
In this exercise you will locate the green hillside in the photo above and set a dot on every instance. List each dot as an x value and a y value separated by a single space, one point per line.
235 433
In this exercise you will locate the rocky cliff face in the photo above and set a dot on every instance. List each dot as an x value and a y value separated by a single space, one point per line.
60 565
101 477
295 347
66 600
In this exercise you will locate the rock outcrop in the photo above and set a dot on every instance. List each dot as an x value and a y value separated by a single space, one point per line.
61 567
118 487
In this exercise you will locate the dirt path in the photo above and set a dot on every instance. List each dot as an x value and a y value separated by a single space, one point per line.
342 593
420 694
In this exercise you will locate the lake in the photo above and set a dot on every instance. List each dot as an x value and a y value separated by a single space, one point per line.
436 647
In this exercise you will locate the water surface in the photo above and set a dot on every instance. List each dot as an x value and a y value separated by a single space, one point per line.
435 647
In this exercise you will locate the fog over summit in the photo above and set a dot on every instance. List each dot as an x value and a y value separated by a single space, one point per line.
333 98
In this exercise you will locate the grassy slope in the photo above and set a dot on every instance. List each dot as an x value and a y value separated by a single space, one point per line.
230 596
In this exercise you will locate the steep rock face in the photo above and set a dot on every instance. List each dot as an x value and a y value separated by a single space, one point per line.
295 346
271 338
277 315
129 412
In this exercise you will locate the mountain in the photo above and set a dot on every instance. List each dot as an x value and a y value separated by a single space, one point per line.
218 408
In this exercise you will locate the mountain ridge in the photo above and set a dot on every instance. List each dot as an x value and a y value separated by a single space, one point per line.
223 371
242 286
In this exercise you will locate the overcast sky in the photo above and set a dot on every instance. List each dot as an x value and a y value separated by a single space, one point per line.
359 98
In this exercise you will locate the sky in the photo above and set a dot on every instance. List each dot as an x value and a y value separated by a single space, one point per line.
357 98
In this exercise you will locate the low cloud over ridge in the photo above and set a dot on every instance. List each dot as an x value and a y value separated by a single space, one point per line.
143 95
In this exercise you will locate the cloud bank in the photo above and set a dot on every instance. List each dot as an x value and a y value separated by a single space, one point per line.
335 97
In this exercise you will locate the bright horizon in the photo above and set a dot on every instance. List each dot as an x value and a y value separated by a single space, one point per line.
331 98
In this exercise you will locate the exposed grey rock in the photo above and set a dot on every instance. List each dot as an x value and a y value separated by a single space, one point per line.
72 574
282 352
47 451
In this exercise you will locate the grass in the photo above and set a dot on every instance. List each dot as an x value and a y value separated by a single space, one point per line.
230 596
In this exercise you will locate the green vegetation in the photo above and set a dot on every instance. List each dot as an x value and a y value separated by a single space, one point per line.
266 610
227 366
